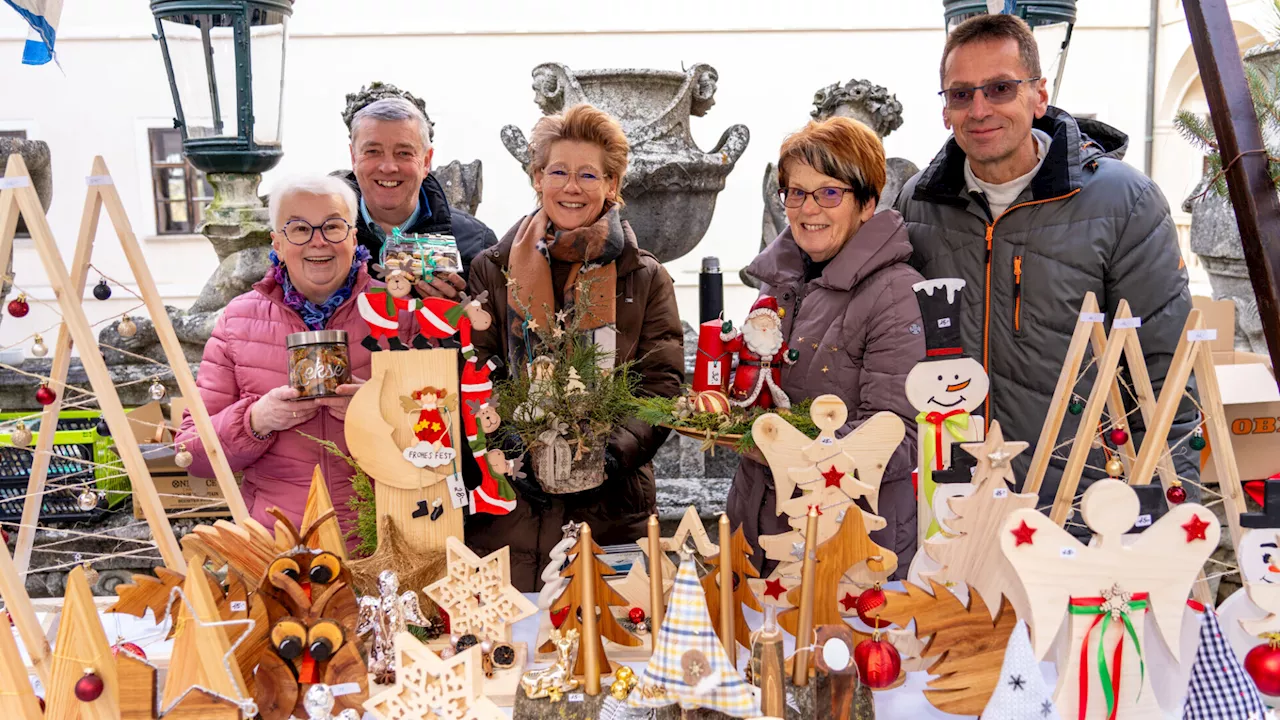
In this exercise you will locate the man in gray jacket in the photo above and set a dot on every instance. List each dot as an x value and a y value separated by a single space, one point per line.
1033 209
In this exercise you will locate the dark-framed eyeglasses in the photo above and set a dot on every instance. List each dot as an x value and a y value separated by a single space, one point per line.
559 177
827 197
300 232
998 93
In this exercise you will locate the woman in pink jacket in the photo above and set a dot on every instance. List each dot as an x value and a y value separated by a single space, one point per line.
318 270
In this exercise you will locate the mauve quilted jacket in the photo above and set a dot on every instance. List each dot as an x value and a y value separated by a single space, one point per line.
246 358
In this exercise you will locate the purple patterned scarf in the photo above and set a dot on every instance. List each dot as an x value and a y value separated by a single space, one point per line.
317 316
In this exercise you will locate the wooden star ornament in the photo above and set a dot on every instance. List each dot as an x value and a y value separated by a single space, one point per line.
428 686
477 593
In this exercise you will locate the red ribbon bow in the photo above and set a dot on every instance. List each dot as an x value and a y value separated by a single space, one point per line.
937 419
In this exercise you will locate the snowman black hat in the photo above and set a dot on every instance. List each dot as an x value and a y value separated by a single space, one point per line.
939 301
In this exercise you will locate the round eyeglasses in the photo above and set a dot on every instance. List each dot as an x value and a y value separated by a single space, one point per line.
827 197
558 178
300 232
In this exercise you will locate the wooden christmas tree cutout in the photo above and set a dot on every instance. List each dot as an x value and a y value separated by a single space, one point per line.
967 644
635 586
137 680
19 198
427 686
202 654
18 699
81 645
691 530
477 593
974 557
1106 588
329 535
18 605
740 562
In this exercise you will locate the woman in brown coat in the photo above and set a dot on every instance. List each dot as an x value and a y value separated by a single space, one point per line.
839 272
579 158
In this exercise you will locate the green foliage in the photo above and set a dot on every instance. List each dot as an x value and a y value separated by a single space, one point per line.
362 502
1265 94
662 411
590 414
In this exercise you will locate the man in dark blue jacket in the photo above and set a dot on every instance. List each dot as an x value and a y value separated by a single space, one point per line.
391 161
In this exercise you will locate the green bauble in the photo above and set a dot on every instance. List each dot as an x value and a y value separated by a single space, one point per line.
1075 407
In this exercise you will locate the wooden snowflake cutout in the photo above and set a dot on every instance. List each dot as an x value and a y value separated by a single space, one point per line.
477 593
428 687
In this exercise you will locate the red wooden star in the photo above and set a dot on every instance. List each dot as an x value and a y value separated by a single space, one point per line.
833 477
774 589
1195 528
1023 534
849 602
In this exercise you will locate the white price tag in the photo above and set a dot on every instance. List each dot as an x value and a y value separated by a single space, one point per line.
826 441
99 180
714 374
344 689
7 183
1000 493
239 606
1092 317
1127 323
1143 521
944 322
457 491
1068 553
577 697
1206 334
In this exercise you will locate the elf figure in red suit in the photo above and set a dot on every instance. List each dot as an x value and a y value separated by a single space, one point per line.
761 352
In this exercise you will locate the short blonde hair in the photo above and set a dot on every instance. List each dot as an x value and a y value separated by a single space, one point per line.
584 123
842 148
324 185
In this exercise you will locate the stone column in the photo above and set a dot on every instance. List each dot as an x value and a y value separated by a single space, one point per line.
237 225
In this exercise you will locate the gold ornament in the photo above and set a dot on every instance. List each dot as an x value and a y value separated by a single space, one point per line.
182 458
126 328
21 435
1115 468
619 690
38 348
626 675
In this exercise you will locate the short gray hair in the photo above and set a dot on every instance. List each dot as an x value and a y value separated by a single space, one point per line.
324 185
393 109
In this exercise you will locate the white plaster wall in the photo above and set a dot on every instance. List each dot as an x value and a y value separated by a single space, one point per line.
472 61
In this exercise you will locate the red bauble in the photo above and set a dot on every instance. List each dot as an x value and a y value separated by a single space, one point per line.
41 703
4 535
636 615
130 648
45 396
557 617
878 662
869 605
89 687
1176 494
18 306
1119 436
1263 665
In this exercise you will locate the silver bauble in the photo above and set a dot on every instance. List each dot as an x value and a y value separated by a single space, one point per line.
156 390
182 458
21 435
38 348
318 702
87 499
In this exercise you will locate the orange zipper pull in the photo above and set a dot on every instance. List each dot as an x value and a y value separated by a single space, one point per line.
1017 292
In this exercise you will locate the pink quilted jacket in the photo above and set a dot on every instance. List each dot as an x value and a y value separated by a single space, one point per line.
246 358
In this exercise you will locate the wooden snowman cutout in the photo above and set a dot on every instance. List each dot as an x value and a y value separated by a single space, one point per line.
944 388
1106 589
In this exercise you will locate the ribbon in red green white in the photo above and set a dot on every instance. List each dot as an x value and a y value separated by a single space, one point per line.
1116 604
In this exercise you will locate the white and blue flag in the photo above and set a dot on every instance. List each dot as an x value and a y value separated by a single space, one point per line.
42 16
1002 7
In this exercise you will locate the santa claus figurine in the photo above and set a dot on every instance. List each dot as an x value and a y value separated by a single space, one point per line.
761 353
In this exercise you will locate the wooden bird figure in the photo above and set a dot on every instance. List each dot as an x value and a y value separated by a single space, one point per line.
1105 589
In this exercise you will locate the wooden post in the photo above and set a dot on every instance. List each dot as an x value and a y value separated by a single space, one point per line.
73 317
168 341
727 614
18 605
769 669
1235 125
656 555
590 629
804 631
1061 397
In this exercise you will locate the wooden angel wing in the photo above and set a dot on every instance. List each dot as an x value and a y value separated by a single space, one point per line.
871 444
1165 560
1040 553
783 447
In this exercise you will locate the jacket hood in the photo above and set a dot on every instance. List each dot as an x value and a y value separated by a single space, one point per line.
1075 144
880 242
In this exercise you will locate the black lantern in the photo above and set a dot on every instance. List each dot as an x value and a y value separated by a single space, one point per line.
225 61
1052 21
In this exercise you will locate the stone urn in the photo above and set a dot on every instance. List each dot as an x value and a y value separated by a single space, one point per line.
671 185
1215 238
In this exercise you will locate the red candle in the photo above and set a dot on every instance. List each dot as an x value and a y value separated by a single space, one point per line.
711 369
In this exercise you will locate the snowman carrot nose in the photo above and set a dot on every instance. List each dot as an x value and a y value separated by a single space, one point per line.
958 386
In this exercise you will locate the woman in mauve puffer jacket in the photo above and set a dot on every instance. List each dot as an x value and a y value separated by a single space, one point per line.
318 273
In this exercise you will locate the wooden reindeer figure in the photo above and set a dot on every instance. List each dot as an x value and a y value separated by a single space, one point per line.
439 318
1105 589
380 307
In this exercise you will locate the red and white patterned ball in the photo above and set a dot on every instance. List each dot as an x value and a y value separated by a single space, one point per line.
711 401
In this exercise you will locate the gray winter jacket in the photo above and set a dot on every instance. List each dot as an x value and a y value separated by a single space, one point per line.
1086 222
857 329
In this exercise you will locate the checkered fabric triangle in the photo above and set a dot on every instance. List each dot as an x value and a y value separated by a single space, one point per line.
1220 688
689 665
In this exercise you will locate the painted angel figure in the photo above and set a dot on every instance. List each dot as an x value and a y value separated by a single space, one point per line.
385 616
1105 589
431 429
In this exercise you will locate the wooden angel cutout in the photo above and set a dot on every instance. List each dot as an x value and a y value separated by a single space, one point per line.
691 531
1105 589
854 463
